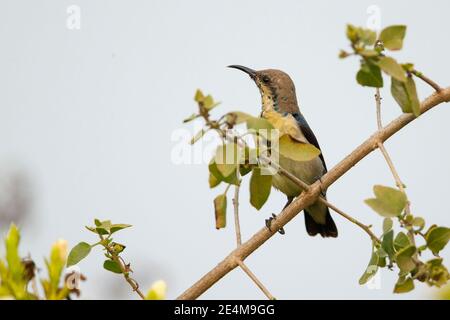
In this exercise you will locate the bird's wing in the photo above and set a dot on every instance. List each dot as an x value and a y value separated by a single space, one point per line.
309 134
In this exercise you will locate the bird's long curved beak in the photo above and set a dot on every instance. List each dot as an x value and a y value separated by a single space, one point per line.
250 72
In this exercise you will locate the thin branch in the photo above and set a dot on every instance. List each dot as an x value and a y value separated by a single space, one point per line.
125 268
309 197
126 274
378 107
366 228
255 280
398 180
237 225
430 82
239 240
383 150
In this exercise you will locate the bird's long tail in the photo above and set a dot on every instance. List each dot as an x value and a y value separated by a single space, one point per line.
325 230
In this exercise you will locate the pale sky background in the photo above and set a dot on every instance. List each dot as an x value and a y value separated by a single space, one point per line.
88 116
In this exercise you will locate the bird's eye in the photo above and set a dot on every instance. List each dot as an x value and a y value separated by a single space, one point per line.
266 79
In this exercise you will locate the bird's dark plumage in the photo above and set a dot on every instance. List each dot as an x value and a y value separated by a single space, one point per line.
328 229
325 230
309 135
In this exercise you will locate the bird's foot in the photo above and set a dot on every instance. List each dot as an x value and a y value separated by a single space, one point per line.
269 224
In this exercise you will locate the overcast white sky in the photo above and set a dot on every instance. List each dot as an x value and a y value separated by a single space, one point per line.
89 116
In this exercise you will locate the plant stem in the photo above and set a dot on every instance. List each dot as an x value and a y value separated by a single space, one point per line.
236 213
255 280
390 164
123 267
427 80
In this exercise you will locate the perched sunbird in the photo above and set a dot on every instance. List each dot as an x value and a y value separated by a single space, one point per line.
280 108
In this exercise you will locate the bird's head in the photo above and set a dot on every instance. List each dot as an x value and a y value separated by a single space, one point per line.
276 87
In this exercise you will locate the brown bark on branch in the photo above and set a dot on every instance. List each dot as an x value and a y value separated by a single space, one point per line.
309 197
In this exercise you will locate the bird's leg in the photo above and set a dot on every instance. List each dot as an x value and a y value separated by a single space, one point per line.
269 223
274 216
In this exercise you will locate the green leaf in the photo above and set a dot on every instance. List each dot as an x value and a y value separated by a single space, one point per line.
244 169
209 103
367 36
198 136
418 222
231 179
92 229
389 202
409 218
404 258
220 209
352 33
401 241
117 247
387 244
392 37
257 124
102 227
369 75
78 253
227 158
112 266
12 253
405 94
371 269
238 117
413 97
381 254
213 181
55 266
430 229
101 231
392 68
368 53
387 225
438 273
408 67
361 35
206 102
191 117
404 285
381 260
199 97
297 151
118 227
260 186
437 238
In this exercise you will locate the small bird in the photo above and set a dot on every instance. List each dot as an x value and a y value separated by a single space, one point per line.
280 108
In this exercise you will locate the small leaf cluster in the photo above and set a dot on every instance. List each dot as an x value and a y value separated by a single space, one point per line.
235 159
370 47
402 248
114 261
16 272
104 230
